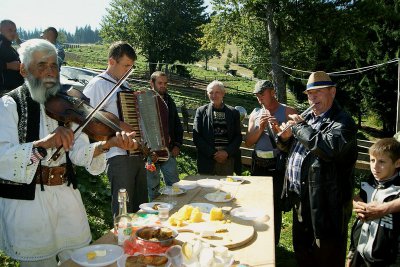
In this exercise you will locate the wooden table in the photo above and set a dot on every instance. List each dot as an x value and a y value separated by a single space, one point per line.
256 192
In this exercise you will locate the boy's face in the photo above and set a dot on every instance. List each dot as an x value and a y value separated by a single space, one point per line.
382 166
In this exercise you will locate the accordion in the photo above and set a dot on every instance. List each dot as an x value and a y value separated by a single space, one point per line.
147 113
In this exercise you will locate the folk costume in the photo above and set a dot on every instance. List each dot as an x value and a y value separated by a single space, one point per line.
39 224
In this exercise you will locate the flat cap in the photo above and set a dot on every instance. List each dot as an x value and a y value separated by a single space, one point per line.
262 85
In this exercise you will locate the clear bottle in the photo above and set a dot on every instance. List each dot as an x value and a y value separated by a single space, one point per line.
122 222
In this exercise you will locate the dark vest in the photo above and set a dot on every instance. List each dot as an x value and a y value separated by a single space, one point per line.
28 131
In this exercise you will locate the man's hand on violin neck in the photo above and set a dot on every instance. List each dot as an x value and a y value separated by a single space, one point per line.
123 140
60 137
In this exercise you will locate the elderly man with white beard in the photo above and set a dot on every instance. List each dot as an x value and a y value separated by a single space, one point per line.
41 211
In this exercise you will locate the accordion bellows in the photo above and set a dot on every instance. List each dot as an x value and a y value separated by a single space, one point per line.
147 113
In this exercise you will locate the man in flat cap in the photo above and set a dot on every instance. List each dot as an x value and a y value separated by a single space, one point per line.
319 174
260 133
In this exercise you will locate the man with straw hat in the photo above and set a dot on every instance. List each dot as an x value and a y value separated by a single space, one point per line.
319 175
266 157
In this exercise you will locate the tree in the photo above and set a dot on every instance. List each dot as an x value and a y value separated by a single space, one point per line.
164 31
207 54
305 34
229 55
246 21
381 38
227 64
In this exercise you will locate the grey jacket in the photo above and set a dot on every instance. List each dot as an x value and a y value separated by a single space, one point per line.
203 136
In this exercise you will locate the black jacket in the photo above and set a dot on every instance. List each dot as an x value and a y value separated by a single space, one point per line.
175 129
9 79
203 136
327 180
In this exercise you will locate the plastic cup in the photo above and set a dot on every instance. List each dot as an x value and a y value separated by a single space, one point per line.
175 256
163 212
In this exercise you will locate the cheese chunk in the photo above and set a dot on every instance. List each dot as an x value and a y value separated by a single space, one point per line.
216 214
196 216
207 233
100 253
91 255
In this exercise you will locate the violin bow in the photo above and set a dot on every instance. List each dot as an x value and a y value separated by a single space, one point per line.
90 116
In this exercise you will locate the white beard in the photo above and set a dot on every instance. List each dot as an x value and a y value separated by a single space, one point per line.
39 90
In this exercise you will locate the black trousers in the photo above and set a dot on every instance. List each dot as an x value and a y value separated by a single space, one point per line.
127 172
330 252
278 177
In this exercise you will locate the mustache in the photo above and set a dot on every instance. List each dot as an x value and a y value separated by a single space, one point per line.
49 79
40 82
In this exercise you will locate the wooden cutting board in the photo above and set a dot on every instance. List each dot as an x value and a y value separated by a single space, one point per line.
232 235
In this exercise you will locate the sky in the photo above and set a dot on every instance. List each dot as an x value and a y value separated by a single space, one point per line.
66 14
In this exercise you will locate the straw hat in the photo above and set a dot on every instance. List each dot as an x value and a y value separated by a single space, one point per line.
319 79
262 85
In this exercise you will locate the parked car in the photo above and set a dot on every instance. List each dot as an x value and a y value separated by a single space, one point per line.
76 77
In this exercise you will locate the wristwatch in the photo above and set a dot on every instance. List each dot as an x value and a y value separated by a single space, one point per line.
38 153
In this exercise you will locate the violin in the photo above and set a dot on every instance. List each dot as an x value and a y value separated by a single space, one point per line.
73 106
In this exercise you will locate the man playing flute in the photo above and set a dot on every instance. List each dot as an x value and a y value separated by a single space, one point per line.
322 149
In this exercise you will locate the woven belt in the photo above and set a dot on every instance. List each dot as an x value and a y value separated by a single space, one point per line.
52 175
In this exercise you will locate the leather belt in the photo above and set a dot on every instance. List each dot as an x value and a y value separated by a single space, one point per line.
51 175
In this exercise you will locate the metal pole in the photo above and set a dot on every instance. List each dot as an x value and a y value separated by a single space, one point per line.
398 97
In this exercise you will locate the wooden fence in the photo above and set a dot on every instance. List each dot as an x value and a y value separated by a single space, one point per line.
187 121
194 90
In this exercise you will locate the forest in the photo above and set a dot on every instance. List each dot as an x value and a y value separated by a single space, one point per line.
82 35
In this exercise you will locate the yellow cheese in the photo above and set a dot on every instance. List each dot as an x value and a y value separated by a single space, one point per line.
172 219
216 214
175 189
196 215
229 179
175 220
185 212
91 255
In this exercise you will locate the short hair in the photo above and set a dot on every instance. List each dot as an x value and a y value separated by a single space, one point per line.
387 146
118 49
6 22
157 74
215 83
27 49
53 30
